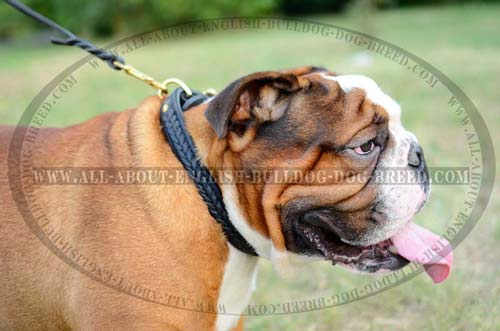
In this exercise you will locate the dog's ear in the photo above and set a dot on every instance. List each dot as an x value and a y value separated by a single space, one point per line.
251 100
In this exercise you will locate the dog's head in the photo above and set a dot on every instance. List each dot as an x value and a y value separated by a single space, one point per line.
334 131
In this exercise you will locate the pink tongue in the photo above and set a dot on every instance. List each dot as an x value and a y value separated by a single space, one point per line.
419 245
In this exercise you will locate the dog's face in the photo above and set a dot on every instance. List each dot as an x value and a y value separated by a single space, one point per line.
336 131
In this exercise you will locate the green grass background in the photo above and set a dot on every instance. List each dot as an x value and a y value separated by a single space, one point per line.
462 41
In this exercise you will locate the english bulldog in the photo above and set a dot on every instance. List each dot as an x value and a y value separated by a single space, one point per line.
148 237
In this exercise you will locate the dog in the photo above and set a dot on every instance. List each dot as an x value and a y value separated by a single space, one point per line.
163 237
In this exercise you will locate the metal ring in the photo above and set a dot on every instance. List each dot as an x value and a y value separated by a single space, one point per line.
209 92
175 81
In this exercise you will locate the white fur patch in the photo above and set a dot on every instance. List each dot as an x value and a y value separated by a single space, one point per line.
260 243
237 286
373 92
241 269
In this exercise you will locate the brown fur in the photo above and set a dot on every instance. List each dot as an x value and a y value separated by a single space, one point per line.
139 232
162 236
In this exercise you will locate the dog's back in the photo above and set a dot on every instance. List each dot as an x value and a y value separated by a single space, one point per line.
126 236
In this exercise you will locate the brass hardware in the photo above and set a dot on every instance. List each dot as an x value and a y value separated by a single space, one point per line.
164 91
209 92
161 87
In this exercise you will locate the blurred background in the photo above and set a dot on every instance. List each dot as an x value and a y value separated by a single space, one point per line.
114 17
461 38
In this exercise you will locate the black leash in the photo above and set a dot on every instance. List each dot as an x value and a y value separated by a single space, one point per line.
114 61
72 40
172 122
183 147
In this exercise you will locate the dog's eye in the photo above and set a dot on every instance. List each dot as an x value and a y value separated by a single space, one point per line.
365 148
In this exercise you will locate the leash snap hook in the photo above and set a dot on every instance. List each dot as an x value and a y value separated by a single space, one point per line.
164 91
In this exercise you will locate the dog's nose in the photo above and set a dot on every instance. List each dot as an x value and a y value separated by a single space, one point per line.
416 161
416 156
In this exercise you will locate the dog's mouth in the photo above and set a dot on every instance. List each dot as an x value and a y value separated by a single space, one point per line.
412 243
372 258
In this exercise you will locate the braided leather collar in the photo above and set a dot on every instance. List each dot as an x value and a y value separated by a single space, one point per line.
184 149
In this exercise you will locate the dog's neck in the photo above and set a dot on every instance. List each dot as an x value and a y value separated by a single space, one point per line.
151 150
215 154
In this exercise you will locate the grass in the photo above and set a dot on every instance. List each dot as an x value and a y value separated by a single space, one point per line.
459 40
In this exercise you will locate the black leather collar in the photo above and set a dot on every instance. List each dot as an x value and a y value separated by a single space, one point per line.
184 149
